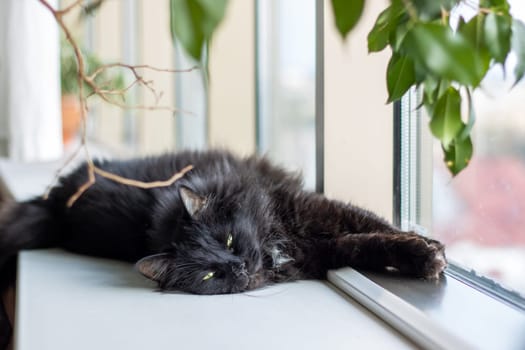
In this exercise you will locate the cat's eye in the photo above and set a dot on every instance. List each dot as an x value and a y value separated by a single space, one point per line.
208 276
229 241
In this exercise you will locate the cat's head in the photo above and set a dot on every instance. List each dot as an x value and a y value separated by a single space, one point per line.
212 244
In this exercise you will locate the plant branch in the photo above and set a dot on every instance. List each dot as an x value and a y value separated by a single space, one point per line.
104 94
139 80
142 184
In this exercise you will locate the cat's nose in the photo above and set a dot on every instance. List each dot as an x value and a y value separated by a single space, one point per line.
239 269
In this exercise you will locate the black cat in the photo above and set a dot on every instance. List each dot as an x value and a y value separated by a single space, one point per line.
229 225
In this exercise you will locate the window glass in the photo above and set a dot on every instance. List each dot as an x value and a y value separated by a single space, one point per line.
286 83
480 214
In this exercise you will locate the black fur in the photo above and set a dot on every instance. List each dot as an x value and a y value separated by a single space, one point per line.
279 232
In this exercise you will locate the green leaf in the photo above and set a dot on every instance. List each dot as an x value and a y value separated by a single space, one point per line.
445 53
458 151
431 9
443 88
400 76
473 31
347 14
433 89
497 32
518 46
446 119
193 22
421 72
398 35
458 155
430 90
386 24
378 36
471 117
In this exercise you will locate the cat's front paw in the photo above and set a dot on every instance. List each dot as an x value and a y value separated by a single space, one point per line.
436 261
422 257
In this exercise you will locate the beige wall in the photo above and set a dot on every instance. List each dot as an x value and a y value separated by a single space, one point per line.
156 128
108 122
232 85
358 123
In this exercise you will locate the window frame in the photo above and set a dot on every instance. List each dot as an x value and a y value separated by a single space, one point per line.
413 181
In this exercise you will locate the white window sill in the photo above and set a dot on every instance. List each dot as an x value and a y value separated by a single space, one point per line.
67 301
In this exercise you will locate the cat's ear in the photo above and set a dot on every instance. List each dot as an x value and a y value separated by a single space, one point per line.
192 201
154 266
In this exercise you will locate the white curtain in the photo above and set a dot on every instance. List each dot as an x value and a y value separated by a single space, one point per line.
30 114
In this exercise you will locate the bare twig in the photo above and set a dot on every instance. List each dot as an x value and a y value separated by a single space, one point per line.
105 94
142 184
90 182
139 80
124 181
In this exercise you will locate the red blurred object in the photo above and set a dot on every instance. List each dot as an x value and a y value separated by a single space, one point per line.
491 192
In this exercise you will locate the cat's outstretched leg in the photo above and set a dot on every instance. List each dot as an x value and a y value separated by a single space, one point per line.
339 234
408 252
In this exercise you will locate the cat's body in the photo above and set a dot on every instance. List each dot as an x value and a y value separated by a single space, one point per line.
227 226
